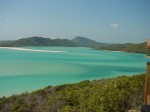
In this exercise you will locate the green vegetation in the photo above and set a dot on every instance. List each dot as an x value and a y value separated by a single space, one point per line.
85 42
75 42
6 41
38 41
106 95
133 48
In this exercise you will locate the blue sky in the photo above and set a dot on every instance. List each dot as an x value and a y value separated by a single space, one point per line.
109 21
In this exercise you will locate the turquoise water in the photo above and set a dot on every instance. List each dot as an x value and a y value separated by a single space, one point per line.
22 70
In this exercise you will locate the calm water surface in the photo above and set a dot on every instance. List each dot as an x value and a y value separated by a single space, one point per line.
22 70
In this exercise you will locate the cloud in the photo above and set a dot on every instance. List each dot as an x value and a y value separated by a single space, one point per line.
114 25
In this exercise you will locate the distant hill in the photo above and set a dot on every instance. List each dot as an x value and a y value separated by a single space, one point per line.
5 41
65 42
134 48
76 42
39 41
106 95
85 42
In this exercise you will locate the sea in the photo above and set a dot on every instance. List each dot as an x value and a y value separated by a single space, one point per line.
27 69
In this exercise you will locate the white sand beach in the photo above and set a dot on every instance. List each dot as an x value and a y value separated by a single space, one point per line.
25 49
116 51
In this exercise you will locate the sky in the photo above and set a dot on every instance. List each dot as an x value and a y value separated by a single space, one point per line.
108 21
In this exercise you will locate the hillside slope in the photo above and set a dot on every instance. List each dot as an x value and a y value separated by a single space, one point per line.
106 95
85 42
134 48
76 42
39 41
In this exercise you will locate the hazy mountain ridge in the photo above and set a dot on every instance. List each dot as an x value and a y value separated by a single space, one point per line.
39 41
6 41
106 95
86 42
76 42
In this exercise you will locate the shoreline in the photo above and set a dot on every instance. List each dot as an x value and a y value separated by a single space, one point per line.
36 89
25 49
148 56
117 51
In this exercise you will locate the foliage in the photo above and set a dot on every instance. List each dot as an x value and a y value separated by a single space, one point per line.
75 42
133 48
39 41
106 95
85 42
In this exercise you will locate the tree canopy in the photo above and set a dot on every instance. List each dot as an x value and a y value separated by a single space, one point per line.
106 95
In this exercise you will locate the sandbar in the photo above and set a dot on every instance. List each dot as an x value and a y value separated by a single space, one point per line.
25 49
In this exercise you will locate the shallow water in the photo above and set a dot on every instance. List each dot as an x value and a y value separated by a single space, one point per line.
27 70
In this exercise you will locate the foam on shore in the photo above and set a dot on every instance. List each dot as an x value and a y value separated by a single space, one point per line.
25 49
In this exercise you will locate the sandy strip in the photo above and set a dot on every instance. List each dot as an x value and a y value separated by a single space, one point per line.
116 51
25 49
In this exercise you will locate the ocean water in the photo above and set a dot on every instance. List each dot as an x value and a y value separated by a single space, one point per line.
33 68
